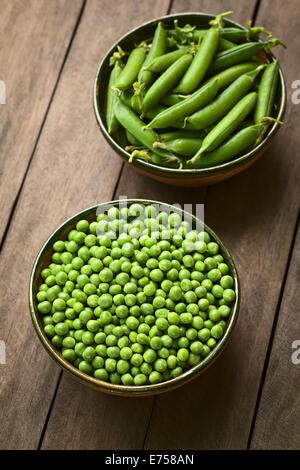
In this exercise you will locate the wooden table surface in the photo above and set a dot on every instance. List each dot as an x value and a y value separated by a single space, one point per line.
54 162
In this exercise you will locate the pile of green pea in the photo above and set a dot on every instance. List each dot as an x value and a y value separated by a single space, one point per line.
192 98
136 296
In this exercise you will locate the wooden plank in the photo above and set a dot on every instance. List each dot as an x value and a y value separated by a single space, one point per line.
254 213
242 11
34 36
73 168
95 420
277 423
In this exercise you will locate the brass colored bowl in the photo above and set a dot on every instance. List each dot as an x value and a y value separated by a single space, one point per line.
176 177
43 259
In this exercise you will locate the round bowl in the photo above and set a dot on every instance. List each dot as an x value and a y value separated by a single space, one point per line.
176 177
43 259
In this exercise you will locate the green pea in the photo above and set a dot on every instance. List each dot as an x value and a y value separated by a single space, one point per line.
44 307
224 311
226 282
140 379
229 295
110 364
88 338
204 335
136 359
217 331
175 293
160 365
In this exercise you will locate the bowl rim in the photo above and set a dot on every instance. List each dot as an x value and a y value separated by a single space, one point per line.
187 173
134 390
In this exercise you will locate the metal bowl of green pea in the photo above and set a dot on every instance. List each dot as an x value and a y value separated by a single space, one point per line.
174 174
54 281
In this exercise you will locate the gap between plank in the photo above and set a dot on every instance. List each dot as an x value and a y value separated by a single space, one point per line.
149 422
49 412
16 200
273 331
255 11
118 181
170 7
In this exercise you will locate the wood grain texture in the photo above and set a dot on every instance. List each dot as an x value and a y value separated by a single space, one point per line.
34 36
277 424
250 212
94 420
242 11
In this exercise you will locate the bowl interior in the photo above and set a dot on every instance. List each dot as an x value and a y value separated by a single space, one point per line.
44 258
200 20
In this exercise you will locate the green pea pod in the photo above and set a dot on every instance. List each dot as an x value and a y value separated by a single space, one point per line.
132 123
132 140
152 157
235 56
228 124
166 82
158 47
229 75
237 144
129 100
172 98
122 137
215 110
161 63
225 45
240 54
183 125
163 161
111 121
153 112
132 103
238 35
186 146
131 69
190 34
183 134
201 62
179 111
235 35
266 92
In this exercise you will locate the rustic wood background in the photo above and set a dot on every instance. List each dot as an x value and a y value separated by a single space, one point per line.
54 162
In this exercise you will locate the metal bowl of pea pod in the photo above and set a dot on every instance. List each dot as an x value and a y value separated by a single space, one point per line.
174 175
44 258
